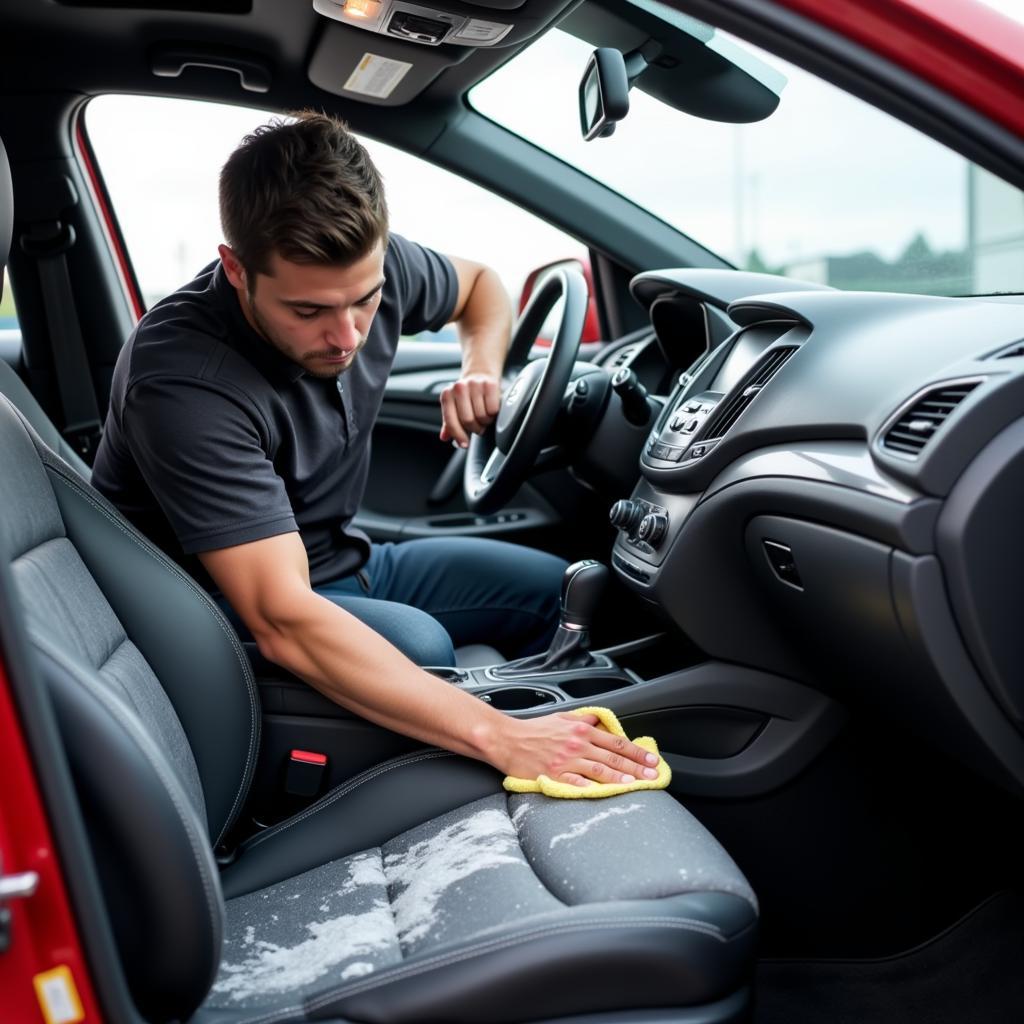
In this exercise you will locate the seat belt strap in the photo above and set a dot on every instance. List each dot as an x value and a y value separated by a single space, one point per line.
49 242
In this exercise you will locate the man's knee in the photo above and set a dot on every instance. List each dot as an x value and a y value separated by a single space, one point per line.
423 640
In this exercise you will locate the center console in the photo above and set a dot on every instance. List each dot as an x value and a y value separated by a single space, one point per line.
607 671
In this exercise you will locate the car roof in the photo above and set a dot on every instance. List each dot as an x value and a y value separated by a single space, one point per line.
291 55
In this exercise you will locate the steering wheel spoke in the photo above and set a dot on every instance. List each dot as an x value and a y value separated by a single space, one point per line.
492 466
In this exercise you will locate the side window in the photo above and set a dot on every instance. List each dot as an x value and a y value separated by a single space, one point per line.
10 333
160 159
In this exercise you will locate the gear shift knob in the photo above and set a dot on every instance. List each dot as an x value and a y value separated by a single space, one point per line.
582 587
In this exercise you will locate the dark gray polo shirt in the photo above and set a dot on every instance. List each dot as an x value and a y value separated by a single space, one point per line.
215 438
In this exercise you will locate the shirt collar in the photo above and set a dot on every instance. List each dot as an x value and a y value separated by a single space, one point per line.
273 363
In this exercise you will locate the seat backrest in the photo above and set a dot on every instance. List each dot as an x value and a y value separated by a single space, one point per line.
135 773
155 701
14 389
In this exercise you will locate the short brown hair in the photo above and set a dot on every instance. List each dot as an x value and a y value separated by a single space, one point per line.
303 187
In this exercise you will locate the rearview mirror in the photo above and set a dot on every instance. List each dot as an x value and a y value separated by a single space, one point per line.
671 57
604 93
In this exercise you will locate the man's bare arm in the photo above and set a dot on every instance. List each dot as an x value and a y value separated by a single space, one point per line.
483 314
267 583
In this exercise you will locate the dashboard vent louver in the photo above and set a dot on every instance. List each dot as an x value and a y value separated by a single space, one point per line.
913 430
1013 352
732 407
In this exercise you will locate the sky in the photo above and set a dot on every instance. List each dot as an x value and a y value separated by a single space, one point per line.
1012 8
824 174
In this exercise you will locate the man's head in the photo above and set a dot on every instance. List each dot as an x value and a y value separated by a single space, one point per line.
303 211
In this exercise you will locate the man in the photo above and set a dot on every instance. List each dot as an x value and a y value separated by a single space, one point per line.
238 440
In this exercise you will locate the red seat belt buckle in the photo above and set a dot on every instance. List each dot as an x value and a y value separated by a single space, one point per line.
304 775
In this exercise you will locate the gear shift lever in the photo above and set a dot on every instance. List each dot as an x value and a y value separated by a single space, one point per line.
582 587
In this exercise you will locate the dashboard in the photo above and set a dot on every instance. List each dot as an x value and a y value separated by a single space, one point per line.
833 491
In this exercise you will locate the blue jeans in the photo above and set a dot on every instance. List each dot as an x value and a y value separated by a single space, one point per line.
431 595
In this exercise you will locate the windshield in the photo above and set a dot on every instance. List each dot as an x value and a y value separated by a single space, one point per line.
826 189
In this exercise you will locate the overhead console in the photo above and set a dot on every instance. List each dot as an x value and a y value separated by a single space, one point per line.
386 52
428 23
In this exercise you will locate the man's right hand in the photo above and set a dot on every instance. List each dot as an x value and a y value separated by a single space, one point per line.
566 748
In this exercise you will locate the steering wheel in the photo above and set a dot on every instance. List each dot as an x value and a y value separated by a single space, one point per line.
500 459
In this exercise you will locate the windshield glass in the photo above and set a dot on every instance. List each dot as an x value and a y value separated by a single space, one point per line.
826 189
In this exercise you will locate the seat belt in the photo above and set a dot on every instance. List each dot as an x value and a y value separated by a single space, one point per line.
48 242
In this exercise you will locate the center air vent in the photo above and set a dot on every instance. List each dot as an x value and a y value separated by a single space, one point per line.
915 427
732 407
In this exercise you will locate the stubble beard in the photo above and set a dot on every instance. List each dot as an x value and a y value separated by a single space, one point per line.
325 373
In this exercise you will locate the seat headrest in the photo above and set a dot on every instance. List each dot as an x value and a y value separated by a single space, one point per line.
6 211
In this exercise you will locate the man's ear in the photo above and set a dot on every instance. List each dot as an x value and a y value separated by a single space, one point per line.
233 269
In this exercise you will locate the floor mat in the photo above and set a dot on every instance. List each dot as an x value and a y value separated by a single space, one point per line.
973 973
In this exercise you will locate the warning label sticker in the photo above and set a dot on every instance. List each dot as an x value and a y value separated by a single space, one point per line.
376 76
58 997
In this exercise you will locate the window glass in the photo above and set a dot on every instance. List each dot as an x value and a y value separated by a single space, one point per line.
161 159
827 188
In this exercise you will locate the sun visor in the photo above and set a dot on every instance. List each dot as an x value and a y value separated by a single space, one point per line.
376 69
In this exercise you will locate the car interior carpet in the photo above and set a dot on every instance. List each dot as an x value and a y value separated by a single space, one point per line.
968 974
607 721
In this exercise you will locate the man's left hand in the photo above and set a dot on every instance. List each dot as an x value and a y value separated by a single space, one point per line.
469 406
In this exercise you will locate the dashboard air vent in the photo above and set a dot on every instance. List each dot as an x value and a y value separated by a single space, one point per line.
732 407
912 431
1013 352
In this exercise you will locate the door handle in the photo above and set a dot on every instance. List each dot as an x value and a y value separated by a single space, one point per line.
171 61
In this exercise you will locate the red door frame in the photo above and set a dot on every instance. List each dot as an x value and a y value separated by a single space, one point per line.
42 930
982 66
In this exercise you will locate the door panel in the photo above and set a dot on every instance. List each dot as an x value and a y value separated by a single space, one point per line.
415 484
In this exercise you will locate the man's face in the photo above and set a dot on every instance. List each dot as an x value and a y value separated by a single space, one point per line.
318 316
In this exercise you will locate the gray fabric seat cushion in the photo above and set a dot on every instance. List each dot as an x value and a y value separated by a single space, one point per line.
506 886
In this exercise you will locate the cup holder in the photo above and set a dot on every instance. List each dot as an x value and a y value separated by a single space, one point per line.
517 698
591 686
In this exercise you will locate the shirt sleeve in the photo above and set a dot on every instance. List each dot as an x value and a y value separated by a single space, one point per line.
427 284
203 453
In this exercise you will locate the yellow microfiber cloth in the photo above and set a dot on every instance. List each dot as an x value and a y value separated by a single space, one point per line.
605 720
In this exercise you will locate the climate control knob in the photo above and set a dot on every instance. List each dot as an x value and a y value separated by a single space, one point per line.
652 528
626 515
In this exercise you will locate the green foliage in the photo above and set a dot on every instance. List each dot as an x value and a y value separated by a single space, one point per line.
7 305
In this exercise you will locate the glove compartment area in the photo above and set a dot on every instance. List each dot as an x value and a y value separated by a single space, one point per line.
874 628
